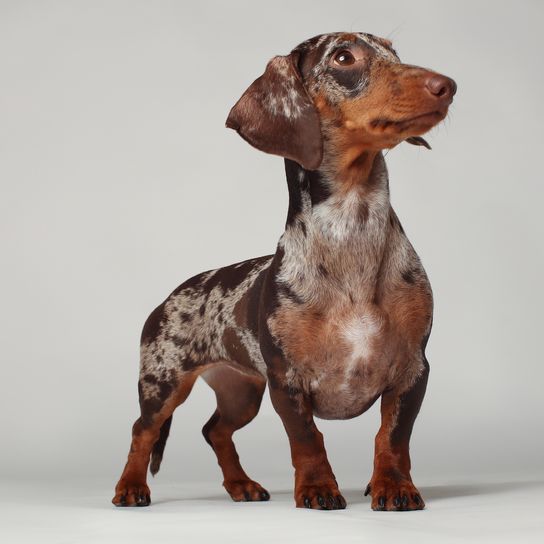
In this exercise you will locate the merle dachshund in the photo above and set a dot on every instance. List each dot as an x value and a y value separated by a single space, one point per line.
341 313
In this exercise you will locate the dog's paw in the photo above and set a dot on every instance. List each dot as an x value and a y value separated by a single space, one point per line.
246 490
319 497
131 494
394 495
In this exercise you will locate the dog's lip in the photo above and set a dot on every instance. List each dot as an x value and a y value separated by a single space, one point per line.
435 113
400 123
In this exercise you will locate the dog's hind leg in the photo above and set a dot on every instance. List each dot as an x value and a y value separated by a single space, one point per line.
159 397
239 398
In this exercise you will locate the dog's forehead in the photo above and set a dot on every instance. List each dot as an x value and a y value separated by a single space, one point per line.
320 47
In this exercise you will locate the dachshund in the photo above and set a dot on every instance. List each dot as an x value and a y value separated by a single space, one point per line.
340 314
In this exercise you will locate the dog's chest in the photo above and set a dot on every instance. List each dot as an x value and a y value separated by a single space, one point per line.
349 323
342 359
352 375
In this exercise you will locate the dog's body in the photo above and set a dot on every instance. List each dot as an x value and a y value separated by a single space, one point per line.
337 317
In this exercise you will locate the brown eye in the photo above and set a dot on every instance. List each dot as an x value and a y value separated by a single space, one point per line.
344 58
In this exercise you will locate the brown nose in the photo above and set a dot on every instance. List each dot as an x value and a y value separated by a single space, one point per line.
441 86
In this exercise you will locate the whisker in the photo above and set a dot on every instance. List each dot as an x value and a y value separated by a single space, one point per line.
390 35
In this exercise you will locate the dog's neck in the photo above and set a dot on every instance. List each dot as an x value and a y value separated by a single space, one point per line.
351 194
337 227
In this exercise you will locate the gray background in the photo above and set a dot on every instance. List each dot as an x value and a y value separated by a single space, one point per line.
119 181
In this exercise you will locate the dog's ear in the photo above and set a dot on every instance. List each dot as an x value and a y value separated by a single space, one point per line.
277 116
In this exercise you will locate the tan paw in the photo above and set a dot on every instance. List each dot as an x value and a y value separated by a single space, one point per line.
246 490
131 494
392 494
319 497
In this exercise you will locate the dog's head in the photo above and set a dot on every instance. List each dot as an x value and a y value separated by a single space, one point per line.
347 91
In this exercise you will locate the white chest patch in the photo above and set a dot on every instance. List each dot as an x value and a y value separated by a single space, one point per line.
361 332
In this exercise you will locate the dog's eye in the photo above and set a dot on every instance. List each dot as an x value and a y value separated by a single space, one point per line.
344 58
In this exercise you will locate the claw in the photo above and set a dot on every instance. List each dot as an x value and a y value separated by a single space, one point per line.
140 501
367 490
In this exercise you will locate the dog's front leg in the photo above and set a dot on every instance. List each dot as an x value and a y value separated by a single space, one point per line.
391 485
315 484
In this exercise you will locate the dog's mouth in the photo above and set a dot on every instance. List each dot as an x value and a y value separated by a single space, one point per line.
425 118
422 121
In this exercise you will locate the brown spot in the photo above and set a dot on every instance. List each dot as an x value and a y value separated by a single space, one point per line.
235 349
240 311
149 407
286 290
363 212
153 325
200 347
323 270
165 390
179 340
184 317
409 276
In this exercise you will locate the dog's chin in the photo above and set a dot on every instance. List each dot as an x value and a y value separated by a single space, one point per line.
420 124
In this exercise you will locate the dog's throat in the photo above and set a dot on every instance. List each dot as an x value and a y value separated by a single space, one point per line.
313 193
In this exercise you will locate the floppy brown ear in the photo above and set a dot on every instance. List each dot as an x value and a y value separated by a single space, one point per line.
277 116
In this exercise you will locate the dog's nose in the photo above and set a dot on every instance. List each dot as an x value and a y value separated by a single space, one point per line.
441 86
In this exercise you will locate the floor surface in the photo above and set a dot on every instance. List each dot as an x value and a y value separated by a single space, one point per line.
81 513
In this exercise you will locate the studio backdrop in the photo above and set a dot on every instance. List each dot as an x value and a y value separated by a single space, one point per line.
119 181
